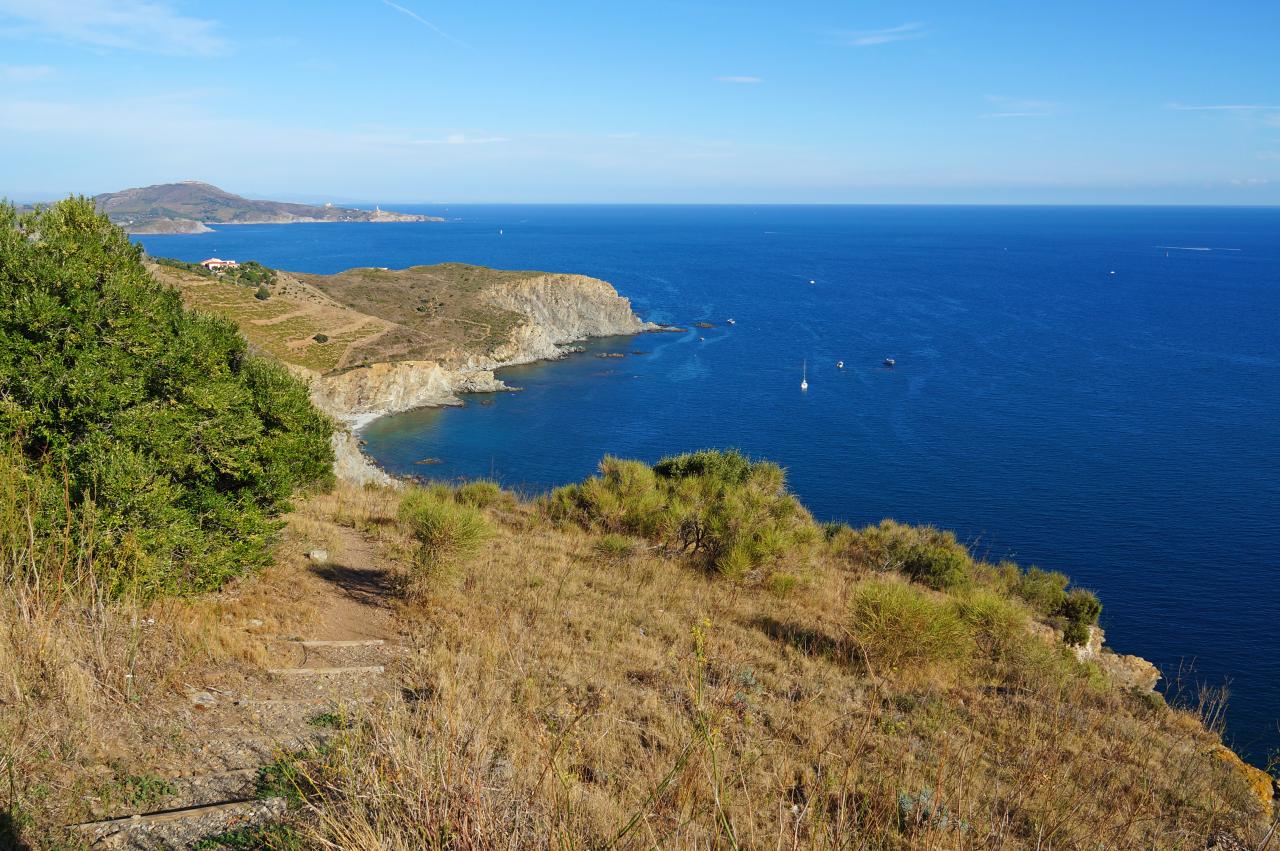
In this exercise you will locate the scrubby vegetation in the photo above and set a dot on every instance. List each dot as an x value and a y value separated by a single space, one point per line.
153 422
589 682
250 273
727 513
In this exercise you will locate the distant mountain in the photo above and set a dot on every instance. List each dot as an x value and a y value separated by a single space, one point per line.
189 206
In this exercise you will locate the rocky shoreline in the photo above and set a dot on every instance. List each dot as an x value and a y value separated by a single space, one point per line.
560 311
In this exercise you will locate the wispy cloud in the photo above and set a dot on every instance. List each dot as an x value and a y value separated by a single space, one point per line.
415 16
1269 156
1224 107
461 139
376 136
1006 107
24 73
870 38
741 80
153 26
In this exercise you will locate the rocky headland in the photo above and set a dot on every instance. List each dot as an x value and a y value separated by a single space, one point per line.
373 342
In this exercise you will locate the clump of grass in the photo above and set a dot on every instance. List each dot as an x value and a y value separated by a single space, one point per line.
480 493
997 624
287 778
140 791
274 836
446 533
900 627
614 547
328 720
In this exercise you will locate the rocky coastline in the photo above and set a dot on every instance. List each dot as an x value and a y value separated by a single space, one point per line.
560 311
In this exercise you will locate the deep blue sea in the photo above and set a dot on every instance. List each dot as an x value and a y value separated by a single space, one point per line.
1093 390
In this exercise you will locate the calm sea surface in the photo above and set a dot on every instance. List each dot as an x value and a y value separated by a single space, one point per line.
1093 390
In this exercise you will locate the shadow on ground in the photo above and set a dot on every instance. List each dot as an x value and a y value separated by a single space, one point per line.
365 585
10 835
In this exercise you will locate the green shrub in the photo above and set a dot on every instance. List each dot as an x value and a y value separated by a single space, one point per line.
445 530
1075 633
181 447
728 514
262 293
480 493
321 338
900 626
1045 590
1080 606
727 467
927 555
939 564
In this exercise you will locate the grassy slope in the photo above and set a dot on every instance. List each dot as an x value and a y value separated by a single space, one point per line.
565 691
569 697
370 315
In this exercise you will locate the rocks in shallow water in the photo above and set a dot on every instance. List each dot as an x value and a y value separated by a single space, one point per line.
318 556
703 325
429 461
610 355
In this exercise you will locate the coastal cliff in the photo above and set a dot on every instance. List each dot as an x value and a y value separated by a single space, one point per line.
556 310
371 342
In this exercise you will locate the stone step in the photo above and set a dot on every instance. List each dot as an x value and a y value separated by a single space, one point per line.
181 827
345 642
327 672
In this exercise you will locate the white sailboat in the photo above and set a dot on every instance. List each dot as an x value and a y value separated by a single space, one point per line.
804 376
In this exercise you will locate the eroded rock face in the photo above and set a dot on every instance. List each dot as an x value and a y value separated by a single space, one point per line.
1129 671
361 394
561 309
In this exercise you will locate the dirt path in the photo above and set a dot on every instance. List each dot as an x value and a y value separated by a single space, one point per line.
285 707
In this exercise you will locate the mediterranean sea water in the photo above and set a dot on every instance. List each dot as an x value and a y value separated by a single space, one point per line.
1093 390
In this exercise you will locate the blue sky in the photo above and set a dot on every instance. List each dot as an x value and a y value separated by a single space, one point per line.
1041 102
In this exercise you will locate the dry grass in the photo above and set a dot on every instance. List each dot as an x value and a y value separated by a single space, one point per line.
89 685
578 690
570 695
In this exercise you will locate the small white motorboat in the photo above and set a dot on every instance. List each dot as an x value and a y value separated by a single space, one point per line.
732 322
890 362
804 376
839 364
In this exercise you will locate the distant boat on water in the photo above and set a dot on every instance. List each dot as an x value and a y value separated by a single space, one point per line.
732 321
839 364
890 362
804 375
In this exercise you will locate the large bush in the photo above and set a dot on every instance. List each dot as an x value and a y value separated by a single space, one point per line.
927 555
153 419
726 512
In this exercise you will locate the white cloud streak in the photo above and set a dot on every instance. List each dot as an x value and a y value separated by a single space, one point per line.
153 26
740 80
24 73
870 38
1006 107
1222 107
415 16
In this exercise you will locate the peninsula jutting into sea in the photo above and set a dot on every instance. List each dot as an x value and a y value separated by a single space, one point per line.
191 206
627 427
